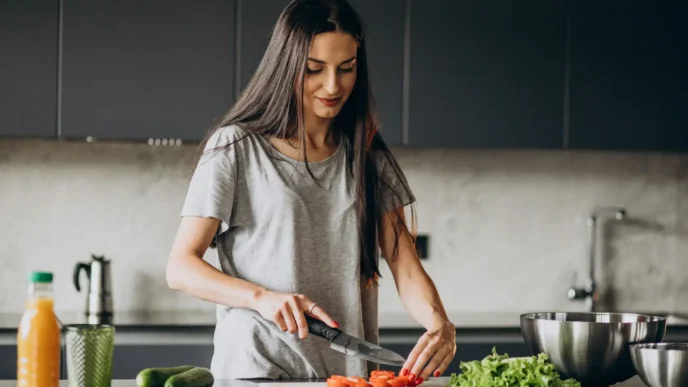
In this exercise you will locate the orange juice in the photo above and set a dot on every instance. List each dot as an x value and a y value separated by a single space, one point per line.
38 338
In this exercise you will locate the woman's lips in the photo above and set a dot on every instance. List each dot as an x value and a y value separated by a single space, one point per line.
329 102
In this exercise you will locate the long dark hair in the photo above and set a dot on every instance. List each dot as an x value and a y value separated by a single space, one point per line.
268 106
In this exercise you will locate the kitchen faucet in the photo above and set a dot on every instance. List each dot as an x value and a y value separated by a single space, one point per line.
589 292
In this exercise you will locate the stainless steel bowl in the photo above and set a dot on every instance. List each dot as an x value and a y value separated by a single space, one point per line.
592 348
661 364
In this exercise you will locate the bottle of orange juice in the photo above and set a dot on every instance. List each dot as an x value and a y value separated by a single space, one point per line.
38 338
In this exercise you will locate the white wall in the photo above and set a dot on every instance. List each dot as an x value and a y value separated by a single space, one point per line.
507 228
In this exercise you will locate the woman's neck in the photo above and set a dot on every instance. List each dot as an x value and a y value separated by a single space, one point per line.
318 133
321 142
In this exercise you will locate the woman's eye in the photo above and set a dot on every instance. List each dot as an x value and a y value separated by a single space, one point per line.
347 70
312 71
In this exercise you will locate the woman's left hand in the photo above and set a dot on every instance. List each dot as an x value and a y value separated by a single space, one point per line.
432 354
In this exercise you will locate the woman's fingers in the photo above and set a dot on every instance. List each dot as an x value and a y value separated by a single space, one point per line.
412 358
288 317
444 364
316 311
297 313
437 355
430 359
279 321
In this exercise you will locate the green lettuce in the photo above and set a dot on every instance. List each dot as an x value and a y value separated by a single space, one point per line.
501 371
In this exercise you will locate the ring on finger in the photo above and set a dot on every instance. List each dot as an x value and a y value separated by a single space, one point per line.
310 310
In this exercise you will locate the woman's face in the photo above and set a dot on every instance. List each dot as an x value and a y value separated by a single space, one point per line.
330 74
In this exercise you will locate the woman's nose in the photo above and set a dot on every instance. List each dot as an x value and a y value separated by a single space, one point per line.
331 84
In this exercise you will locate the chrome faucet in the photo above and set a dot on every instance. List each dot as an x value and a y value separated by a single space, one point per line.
589 292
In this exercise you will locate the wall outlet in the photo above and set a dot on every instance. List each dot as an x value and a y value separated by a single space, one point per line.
422 246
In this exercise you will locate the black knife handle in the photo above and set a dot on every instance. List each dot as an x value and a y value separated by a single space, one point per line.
321 329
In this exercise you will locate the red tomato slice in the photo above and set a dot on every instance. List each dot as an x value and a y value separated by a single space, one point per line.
376 373
335 383
399 381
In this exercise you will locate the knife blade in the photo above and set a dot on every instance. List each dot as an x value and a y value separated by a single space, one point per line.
352 346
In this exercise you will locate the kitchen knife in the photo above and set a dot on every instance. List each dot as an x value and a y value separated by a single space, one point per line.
353 346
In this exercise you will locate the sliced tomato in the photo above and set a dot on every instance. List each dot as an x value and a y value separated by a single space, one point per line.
335 382
380 383
376 373
352 381
399 381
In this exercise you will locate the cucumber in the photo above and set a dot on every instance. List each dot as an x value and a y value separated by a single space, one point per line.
156 377
196 377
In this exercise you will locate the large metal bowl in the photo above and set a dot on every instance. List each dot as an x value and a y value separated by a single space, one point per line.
592 348
661 364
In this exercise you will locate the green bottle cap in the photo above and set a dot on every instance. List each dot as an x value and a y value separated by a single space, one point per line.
41 276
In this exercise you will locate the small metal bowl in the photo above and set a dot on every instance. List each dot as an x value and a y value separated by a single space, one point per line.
661 364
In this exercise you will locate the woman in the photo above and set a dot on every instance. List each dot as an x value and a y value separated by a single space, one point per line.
298 191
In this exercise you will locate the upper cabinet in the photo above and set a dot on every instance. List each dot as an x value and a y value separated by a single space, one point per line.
629 77
28 68
487 73
549 74
256 20
383 23
146 69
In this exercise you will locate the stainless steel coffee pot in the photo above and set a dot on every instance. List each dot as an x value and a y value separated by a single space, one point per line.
99 297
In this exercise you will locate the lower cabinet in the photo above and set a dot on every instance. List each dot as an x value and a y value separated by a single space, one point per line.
8 362
129 360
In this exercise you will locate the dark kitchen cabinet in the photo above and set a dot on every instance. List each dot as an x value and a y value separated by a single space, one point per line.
384 28
146 69
28 68
629 83
487 74
129 360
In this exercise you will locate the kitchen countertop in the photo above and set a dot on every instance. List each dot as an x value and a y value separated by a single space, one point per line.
206 319
439 382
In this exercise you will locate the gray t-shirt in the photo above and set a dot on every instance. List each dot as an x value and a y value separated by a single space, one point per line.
281 230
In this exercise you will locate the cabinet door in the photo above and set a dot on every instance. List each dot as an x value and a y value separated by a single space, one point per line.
629 84
129 360
383 26
8 361
28 68
384 36
146 69
487 74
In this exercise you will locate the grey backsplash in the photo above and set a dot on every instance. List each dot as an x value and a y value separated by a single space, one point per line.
507 228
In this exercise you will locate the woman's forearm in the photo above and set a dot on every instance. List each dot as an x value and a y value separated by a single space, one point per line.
416 289
196 277
420 297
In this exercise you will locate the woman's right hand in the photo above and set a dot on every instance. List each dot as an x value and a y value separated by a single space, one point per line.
287 311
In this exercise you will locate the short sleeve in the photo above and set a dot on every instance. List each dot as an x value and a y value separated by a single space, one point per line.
394 190
211 190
